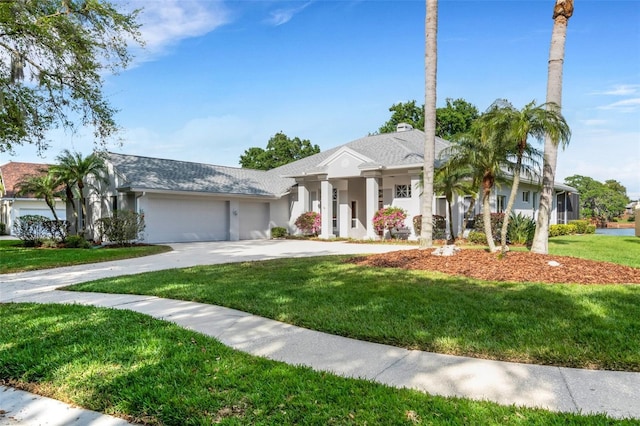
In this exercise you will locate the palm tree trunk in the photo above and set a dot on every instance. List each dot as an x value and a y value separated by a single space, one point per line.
472 205
452 236
510 203
563 10
486 218
431 63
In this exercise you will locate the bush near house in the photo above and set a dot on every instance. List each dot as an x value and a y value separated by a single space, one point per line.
279 232
496 225
309 222
388 218
439 226
32 230
122 228
521 229
3 228
581 226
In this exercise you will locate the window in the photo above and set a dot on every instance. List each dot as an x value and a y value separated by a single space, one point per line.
354 215
380 199
114 203
403 191
501 203
525 196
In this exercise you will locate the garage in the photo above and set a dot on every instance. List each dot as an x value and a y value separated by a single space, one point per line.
182 219
254 220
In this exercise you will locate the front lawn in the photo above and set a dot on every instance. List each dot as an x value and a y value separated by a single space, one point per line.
605 248
16 258
153 372
554 324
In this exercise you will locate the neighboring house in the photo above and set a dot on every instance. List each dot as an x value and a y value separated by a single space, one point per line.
13 205
184 201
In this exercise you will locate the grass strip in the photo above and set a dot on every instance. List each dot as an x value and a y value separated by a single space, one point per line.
153 372
16 258
565 325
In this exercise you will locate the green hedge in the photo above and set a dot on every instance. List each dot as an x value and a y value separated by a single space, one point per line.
581 225
279 232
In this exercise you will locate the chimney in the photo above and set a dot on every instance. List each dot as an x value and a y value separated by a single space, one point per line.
403 127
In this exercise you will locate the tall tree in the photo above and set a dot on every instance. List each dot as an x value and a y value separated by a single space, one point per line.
455 118
562 11
487 156
430 65
404 112
280 150
599 201
515 127
77 173
62 48
44 186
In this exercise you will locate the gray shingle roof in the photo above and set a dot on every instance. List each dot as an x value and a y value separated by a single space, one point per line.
147 173
144 173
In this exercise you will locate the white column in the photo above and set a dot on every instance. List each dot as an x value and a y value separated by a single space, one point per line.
326 209
344 218
416 205
373 185
303 197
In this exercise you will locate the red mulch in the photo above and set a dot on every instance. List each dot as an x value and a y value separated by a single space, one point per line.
515 266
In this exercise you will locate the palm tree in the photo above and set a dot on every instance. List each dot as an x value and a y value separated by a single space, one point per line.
74 170
44 186
515 127
431 63
487 156
562 11
450 180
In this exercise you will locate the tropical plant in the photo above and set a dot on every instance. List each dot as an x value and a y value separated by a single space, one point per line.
77 173
487 155
430 68
45 186
309 222
562 11
521 229
450 180
388 218
515 127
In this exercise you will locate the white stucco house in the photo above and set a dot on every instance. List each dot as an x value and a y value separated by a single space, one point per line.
13 204
186 201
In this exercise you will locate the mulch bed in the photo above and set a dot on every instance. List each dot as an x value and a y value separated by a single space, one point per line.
515 266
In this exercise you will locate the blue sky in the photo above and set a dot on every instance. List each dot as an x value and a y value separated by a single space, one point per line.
218 77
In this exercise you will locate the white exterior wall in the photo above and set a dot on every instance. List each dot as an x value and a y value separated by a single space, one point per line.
30 206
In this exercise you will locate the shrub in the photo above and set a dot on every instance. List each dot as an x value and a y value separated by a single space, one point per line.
439 226
122 228
388 218
278 232
581 225
309 222
77 241
3 228
50 243
57 229
476 237
31 230
591 229
562 229
496 224
521 229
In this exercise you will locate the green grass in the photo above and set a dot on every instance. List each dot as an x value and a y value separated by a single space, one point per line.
560 324
606 248
130 365
16 258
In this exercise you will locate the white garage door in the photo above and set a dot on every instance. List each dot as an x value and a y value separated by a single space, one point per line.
185 219
254 221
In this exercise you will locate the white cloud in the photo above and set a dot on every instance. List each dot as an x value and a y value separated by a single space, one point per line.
282 16
627 105
593 122
165 23
621 90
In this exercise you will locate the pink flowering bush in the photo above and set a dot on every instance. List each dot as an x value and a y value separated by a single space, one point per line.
388 218
309 222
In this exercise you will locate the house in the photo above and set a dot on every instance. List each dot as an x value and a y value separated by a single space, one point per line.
14 205
185 201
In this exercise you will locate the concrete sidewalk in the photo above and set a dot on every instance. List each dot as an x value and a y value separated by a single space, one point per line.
560 389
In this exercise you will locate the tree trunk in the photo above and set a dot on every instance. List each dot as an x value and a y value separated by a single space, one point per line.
431 63
472 205
507 212
452 236
486 218
562 12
